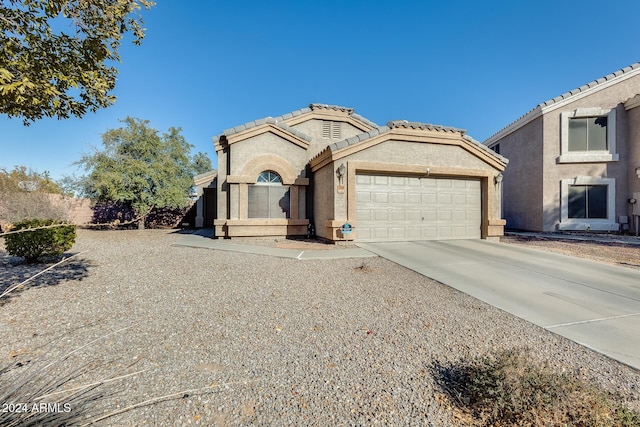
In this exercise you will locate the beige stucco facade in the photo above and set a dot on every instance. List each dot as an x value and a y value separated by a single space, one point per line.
543 168
303 152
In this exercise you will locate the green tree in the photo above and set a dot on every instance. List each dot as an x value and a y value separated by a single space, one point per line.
201 163
140 168
56 55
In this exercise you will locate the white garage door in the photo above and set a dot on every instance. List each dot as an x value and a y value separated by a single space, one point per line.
411 208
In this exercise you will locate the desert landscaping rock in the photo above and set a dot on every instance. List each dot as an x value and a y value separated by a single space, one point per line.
238 339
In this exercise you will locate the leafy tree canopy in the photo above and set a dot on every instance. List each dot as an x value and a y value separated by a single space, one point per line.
201 163
141 168
21 179
55 54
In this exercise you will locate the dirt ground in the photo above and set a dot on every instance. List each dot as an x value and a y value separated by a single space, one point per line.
627 255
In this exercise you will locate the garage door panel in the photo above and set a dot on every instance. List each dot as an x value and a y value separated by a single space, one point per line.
380 233
429 232
397 232
405 208
363 179
398 198
379 197
381 180
413 216
414 198
363 214
460 199
445 215
380 215
445 198
413 232
397 215
363 196
429 199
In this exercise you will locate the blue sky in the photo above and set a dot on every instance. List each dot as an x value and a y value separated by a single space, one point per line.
206 66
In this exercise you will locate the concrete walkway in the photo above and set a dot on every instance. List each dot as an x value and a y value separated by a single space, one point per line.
594 304
202 239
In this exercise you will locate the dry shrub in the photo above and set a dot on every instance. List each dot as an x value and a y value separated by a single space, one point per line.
510 388
19 206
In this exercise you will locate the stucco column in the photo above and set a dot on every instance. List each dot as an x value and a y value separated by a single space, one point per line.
293 201
199 207
243 201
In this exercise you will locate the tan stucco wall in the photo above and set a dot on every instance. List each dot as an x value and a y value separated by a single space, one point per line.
313 128
522 183
242 152
396 151
323 199
633 116
222 189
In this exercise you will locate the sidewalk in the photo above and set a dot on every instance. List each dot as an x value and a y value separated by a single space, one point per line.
202 239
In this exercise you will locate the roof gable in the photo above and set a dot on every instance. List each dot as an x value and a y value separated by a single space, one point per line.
288 120
257 127
408 131
328 112
566 98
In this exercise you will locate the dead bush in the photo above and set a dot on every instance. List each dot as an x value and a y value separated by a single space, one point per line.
511 389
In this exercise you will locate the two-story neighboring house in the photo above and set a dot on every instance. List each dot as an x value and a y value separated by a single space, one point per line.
574 160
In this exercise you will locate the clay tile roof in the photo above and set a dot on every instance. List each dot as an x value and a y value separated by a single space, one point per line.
266 120
425 126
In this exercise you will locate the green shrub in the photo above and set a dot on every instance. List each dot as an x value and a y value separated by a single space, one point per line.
43 243
512 389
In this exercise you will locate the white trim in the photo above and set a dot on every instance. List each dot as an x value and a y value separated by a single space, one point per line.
605 224
608 155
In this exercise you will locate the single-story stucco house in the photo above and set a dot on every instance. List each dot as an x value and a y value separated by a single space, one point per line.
313 170
574 160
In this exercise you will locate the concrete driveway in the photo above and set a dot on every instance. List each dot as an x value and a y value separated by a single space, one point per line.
594 304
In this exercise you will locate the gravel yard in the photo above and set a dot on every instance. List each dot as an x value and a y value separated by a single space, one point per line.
610 252
238 339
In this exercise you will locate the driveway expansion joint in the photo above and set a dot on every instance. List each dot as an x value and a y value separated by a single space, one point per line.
581 322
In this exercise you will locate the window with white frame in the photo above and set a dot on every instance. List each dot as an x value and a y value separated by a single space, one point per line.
588 203
268 198
588 135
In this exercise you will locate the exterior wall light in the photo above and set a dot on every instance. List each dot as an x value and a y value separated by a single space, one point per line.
340 172
638 172
498 178
633 201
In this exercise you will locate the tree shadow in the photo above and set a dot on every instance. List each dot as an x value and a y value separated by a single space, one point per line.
13 271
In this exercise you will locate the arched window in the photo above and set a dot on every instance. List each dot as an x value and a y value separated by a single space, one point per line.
268 198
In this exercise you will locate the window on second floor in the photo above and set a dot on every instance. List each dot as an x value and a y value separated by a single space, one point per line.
588 133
